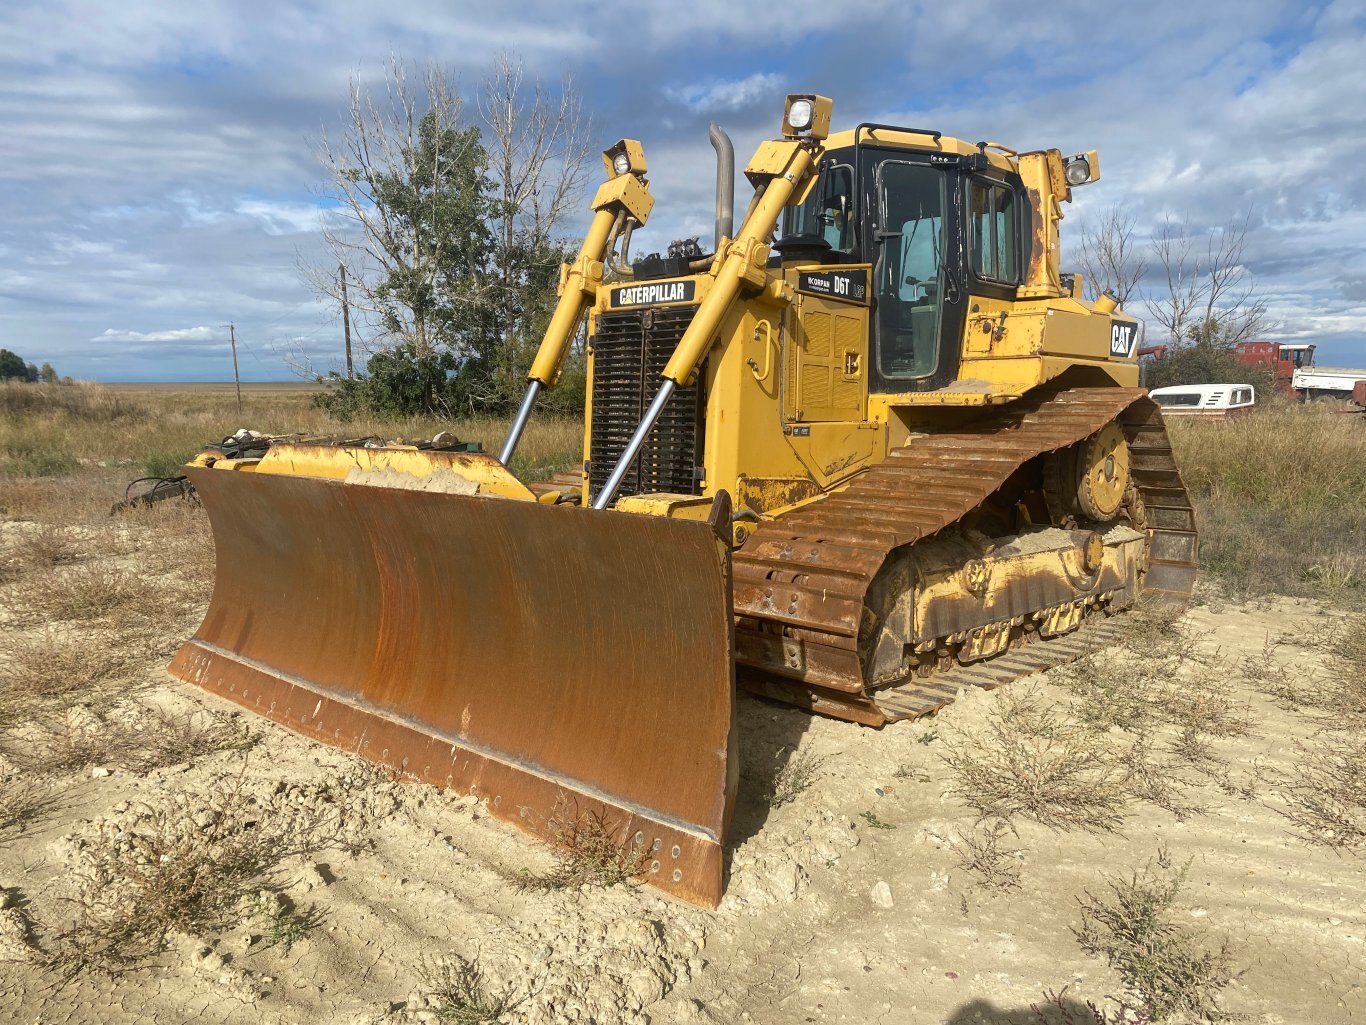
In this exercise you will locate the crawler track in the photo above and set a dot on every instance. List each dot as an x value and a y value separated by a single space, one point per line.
801 580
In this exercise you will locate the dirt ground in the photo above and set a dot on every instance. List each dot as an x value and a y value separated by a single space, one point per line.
846 900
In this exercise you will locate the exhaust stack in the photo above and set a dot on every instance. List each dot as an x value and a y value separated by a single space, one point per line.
725 183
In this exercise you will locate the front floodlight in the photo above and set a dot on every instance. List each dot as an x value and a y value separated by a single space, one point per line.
624 157
807 116
1081 168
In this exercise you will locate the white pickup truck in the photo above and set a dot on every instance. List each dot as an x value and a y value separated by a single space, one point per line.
1326 382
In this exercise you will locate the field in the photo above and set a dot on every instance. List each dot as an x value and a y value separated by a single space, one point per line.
1170 830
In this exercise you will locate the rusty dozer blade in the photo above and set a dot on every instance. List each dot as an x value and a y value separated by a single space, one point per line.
555 661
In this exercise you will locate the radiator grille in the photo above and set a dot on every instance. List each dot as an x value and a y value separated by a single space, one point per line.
630 349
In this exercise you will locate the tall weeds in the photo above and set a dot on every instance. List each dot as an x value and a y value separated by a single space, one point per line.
1280 499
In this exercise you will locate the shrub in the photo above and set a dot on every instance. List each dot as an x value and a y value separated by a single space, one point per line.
1168 966
455 991
1030 760
192 863
589 851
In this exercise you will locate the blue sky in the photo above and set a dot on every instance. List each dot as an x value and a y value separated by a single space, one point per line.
159 179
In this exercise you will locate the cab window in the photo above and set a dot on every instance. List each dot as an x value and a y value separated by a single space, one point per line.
910 262
995 232
828 213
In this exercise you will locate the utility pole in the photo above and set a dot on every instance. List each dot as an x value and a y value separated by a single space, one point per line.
232 337
346 321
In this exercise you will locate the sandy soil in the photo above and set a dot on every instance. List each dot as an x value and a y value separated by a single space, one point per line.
847 903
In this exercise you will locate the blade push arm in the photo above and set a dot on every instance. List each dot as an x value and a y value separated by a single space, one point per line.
779 171
625 195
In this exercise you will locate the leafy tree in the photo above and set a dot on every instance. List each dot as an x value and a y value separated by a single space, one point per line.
48 375
1206 361
31 373
398 383
449 241
12 366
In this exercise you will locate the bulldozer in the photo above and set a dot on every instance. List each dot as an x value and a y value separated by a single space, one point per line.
872 450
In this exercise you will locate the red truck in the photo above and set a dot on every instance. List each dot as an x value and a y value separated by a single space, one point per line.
1281 359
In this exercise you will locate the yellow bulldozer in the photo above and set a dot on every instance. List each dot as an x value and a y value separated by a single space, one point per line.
871 450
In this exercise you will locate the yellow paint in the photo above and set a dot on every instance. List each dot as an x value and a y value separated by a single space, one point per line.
334 462
789 414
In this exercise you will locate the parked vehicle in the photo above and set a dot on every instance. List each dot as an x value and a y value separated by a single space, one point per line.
1327 382
883 460
1281 359
1214 401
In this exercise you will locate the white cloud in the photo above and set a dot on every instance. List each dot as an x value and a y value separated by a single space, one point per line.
183 334
715 97
287 218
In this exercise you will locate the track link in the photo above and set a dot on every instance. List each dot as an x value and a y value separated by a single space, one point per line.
800 580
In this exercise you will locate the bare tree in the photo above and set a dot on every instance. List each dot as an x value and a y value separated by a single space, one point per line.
1207 296
538 147
1110 259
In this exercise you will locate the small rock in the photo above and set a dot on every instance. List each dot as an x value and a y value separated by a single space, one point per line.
99 772
881 894
121 807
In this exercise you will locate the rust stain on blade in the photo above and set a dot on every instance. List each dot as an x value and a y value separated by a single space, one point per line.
542 657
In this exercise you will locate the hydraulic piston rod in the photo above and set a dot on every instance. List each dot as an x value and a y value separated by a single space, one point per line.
623 197
780 170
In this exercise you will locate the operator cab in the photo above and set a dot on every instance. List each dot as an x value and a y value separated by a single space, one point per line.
936 226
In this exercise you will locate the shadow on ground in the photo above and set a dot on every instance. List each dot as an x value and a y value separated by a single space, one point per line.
1054 1009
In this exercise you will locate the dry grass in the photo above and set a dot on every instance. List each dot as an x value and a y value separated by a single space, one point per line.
1169 967
1032 760
90 424
983 852
1345 695
1058 1009
192 863
1267 672
1324 798
89 592
785 781
133 737
54 665
1171 700
454 990
589 851
1279 498
20 801
1162 780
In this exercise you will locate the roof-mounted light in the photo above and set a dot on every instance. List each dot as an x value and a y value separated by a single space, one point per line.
1081 168
624 157
806 116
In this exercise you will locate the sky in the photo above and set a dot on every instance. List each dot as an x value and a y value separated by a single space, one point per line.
159 177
